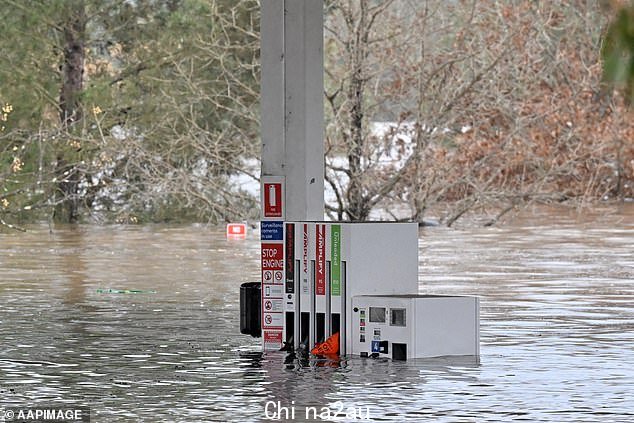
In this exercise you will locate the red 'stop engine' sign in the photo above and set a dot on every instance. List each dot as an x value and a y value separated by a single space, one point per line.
272 256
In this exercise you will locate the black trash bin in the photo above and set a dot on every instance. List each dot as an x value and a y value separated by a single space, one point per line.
251 308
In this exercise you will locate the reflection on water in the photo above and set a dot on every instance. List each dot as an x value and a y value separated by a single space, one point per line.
557 327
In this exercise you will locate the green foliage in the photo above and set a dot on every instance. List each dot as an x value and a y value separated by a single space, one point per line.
169 103
618 52
29 65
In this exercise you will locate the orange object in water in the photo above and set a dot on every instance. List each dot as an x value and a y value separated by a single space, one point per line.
331 346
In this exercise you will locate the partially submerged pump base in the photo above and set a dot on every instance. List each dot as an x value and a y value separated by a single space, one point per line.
359 280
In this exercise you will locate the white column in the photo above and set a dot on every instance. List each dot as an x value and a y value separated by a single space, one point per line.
272 87
292 103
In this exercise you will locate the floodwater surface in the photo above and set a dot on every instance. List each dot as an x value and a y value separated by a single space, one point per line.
141 323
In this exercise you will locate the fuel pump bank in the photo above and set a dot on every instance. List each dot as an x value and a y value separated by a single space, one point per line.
360 281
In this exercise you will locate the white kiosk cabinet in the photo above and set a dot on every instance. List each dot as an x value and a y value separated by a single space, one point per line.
415 326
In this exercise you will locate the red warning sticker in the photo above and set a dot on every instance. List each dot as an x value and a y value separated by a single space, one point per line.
272 339
273 200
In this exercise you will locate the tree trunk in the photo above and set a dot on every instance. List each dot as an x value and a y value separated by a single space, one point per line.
358 207
72 76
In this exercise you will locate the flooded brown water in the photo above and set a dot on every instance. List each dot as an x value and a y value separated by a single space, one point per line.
557 298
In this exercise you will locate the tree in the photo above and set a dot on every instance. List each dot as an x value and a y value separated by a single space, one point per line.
618 49
73 28
412 64
128 110
191 119
468 106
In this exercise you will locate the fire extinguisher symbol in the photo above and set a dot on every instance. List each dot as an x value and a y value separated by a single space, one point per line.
272 199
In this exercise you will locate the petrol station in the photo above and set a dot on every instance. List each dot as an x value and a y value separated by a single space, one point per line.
357 281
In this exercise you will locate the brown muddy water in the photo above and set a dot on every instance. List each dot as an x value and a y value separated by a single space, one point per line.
557 298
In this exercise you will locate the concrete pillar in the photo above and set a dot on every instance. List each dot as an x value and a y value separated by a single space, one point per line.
292 104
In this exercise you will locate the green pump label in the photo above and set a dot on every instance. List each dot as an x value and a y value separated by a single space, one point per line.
335 259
